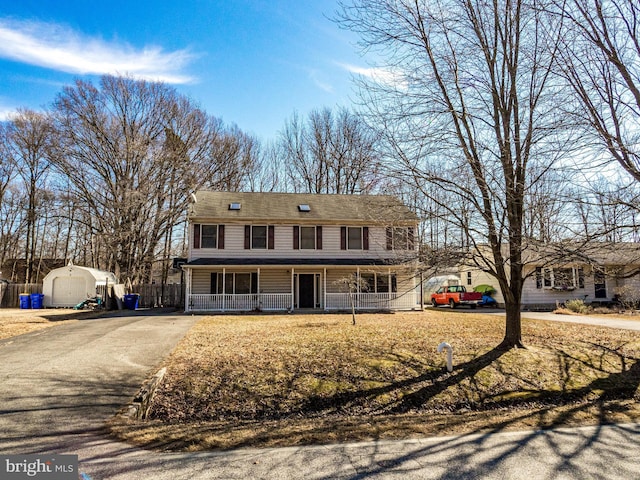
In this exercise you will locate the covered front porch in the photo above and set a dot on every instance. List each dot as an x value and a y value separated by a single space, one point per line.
243 288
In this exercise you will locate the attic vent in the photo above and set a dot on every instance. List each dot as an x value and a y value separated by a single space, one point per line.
304 208
234 206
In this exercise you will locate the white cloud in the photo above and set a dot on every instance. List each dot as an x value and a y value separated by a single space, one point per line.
382 76
6 113
315 77
59 48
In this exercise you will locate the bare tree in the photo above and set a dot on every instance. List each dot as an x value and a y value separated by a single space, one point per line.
133 151
600 59
27 143
462 93
330 153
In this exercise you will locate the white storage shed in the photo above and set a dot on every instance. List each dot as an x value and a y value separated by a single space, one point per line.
70 285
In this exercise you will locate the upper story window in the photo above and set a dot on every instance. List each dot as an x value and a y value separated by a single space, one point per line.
400 238
354 238
208 236
258 237
307 238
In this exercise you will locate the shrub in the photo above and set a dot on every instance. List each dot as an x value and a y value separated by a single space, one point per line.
628 296
577 306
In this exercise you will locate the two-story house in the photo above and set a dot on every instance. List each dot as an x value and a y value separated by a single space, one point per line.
285 251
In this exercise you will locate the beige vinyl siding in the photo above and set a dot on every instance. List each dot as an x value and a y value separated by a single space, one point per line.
201 282
275 281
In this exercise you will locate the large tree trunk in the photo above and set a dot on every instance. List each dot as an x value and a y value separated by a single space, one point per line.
513 327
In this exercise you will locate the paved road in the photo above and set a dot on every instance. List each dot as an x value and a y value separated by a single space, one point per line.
59 385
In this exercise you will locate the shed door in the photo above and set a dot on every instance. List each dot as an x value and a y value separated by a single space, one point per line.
68 291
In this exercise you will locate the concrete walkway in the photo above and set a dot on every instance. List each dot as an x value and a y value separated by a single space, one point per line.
59 385
632 323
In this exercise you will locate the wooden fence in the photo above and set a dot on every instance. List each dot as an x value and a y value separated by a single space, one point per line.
10 293
151 296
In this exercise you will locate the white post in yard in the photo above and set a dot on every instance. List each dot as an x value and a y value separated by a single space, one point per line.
445 345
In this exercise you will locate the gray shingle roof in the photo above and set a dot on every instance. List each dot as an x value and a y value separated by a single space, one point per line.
283 207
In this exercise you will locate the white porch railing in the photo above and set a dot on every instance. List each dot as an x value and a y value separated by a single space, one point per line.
372 301
282 301
239 303
274 301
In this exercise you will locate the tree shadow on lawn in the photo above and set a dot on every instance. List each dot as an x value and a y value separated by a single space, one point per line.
438 380
343 417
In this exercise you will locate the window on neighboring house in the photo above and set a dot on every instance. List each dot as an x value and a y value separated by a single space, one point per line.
469 280
560 278
599 283
235 283
208 236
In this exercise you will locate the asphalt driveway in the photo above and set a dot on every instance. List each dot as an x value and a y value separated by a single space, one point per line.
59 385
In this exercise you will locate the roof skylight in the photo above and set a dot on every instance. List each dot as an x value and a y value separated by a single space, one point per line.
234 206
304 207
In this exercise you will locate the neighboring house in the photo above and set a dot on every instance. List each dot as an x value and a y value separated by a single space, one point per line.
283 251
598 273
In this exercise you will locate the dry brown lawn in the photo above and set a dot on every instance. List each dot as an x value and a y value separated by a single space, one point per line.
14 321
272 380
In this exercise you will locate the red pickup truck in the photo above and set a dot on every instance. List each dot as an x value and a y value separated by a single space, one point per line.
455 295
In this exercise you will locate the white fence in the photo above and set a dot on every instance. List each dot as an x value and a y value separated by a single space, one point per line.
283 301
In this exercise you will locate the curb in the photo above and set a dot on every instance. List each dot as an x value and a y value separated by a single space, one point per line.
138 409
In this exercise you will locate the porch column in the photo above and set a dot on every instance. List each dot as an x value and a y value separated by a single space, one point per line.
187 297
258 291
293 293
224 282
389 288
324 290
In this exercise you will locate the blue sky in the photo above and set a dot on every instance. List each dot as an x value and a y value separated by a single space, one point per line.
250 62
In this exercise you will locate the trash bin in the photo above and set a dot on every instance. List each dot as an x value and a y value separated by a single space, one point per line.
36 300
25 300
131 301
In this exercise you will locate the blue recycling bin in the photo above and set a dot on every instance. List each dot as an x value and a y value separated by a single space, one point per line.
131 301
36 300
25 300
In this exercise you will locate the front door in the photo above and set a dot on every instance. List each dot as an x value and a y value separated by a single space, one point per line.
306 290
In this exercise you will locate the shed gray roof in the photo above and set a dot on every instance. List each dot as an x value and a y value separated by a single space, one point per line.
284 207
